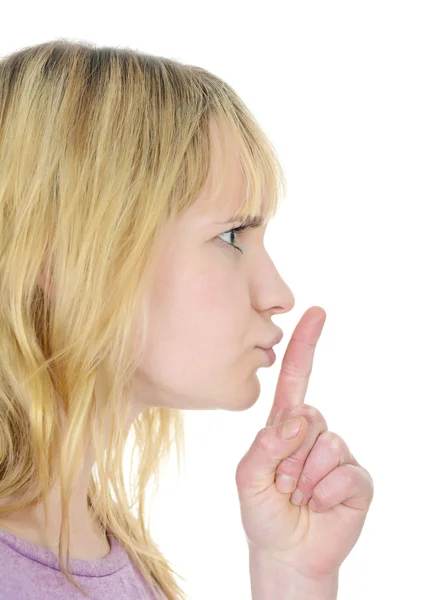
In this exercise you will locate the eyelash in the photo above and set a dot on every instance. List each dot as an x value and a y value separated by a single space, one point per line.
237 231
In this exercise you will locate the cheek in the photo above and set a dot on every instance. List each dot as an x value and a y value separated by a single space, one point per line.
199 316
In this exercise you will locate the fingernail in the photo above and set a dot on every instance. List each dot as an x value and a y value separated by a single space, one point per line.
291 428
285 483
297 497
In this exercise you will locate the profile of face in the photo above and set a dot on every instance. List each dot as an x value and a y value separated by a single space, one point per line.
211 306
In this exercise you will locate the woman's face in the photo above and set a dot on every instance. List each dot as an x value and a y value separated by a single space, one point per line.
211 306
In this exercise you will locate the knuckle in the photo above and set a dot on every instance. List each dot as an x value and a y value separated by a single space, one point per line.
307 479
313 416
348 475
335 442
320 496
293 369
291 465
369 478
264 439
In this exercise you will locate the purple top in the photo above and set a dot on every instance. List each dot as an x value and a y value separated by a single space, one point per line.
31 572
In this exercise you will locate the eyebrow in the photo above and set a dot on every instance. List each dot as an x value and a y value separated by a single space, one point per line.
246 221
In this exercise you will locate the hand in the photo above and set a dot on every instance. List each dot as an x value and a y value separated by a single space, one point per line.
313 539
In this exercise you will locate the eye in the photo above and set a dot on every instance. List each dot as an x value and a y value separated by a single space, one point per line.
235 231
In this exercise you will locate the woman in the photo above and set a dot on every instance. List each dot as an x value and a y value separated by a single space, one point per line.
126 181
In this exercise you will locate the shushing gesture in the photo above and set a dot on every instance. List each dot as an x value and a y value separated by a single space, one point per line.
312 538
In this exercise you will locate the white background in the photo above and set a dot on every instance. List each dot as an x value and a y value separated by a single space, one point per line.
341 90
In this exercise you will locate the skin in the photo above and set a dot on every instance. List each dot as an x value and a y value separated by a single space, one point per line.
212 305
297 545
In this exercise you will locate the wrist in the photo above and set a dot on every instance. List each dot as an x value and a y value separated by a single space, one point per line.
272 578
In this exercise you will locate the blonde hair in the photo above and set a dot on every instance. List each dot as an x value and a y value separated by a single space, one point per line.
99 147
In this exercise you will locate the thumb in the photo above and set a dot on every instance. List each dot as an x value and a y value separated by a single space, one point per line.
256 470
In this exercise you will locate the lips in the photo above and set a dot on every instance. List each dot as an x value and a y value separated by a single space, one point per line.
273 342
270 354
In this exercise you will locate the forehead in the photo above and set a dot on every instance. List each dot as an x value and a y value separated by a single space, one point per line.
225 188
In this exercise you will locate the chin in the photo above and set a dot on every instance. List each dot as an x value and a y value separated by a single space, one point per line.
246 397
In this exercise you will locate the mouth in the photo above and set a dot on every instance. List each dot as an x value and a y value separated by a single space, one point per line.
269 353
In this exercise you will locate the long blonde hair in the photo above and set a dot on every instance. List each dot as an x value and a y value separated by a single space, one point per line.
99 147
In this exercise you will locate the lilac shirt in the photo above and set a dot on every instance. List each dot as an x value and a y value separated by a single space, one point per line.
30 572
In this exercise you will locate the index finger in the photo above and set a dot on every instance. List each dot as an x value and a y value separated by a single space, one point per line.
296 365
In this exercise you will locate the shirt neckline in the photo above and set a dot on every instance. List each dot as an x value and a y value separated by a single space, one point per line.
113 561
